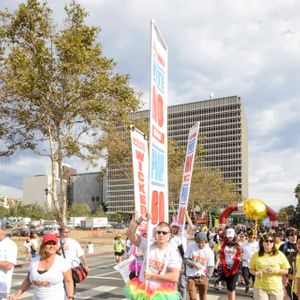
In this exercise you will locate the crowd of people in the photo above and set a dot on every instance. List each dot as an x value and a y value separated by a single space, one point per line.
49 272
266 260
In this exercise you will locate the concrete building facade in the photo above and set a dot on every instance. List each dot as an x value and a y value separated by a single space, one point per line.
87 188
224 135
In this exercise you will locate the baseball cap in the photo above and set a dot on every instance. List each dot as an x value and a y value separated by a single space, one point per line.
175 223
201 236
230 232
50 237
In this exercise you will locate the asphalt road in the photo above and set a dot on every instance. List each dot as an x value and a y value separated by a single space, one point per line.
104 282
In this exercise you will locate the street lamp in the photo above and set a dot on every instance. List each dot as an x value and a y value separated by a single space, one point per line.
93 201
47 192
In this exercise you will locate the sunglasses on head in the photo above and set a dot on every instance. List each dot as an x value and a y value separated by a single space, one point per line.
162 232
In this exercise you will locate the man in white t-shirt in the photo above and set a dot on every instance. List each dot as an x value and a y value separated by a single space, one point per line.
200 262
164 262
179 241
71 249
8 259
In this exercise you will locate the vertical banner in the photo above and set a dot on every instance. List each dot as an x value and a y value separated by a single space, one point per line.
187 173
158 137
139 146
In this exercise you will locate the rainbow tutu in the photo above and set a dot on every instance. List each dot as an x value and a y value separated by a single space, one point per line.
135 290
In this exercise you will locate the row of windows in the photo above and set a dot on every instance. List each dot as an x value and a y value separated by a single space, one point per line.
204 123
116 193
184 129
204 111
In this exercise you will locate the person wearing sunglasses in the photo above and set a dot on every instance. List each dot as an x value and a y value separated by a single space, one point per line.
268 265
290 245
49 274
164 263
72 250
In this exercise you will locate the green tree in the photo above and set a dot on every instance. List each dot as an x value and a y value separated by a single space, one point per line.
286 213
59 95
99 212
32 210
79 210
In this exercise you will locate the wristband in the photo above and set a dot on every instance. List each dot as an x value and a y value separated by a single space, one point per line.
136 221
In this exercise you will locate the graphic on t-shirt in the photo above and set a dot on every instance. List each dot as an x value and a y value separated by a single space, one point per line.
40 283
229 253
156 266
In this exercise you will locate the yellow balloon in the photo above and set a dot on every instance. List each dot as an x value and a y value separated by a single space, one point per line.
255 209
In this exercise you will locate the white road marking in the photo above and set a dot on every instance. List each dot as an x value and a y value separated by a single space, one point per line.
95 291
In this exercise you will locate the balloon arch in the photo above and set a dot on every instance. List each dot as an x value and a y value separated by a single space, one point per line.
240 207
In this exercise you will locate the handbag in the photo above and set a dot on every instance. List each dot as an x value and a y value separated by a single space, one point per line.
79 273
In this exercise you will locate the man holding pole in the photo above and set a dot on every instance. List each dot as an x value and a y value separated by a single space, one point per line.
164 263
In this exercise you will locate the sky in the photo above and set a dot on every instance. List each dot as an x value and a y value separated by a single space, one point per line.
244 48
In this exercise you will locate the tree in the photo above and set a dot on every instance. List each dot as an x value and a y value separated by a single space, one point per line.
79 210
286 213
208 188
99 212
59 95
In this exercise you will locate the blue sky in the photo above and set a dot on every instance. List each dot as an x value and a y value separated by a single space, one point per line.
245 48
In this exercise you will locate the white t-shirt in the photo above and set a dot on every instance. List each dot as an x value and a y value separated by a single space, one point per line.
159 262
229 253
49 285
34 243
205 257
72 250
247 251
180 238
8 252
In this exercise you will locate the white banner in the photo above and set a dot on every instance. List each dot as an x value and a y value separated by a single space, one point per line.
139 146
158 137
187 173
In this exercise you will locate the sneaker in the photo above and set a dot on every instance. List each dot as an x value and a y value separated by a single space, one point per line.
217 286
247 289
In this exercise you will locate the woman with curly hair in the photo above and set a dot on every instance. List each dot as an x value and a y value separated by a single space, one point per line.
230 256
268 265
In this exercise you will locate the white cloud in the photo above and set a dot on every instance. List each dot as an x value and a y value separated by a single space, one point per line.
274 176
9 191
276 116
246 48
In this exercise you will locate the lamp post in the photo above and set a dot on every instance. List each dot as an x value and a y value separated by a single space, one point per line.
47 192
93 203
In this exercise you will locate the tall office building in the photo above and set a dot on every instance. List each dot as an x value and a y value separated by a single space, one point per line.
224 135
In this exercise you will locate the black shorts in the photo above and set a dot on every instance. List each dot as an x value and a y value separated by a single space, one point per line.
231 281
119 253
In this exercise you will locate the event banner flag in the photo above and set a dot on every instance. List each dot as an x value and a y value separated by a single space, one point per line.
139 146
187 173
158 137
